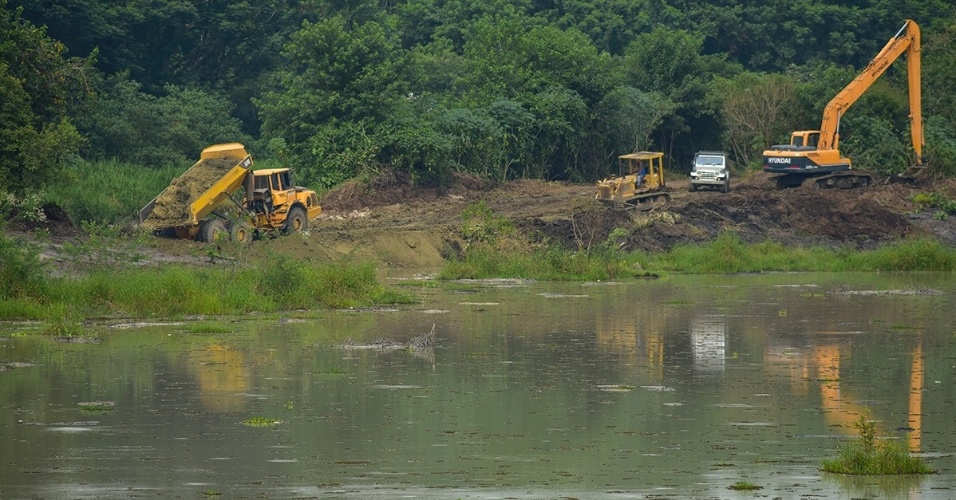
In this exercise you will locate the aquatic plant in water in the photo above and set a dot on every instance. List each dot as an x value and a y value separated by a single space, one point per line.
261 422
745 486
866 456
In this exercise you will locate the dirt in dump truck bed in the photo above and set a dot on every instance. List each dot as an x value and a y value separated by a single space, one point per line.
172 205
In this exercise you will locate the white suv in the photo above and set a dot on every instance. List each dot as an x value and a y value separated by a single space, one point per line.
710 169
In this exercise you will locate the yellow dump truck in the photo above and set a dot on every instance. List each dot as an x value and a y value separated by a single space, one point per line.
191 206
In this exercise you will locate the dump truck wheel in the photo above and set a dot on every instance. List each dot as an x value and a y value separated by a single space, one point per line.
212 231
296 221
241 232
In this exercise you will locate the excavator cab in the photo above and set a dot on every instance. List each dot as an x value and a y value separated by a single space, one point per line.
805 139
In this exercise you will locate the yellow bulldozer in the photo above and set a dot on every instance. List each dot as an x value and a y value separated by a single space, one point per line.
191 207
643 185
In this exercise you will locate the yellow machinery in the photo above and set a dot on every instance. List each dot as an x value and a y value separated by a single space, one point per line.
188 207
643 183
815 153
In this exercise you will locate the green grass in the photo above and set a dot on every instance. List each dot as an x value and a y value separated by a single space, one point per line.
726 254
271 285
545 264
867 456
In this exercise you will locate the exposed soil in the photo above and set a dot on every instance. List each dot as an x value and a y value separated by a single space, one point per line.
404 227
398 226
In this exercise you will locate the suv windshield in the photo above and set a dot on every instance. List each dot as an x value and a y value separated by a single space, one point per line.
710 161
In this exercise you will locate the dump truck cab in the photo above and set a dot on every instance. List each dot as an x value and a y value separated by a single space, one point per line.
278 203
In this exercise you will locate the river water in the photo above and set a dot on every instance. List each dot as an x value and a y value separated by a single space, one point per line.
670 388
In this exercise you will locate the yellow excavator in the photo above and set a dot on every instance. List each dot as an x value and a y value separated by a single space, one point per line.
815 153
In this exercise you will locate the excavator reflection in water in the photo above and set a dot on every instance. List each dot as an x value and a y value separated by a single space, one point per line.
822 363
640 341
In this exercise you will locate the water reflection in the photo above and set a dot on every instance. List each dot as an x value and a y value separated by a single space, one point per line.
223 377
708 336
679 387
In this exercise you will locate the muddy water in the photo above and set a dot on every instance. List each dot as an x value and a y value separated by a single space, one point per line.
671 388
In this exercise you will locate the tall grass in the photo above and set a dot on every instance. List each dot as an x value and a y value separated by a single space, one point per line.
546 264
109 191
726 254
273 285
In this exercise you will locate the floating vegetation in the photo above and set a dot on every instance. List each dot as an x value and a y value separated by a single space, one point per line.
97 406
745 486
261 422
866 456
331 371
209 329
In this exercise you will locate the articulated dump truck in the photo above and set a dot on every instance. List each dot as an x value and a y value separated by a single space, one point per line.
192 206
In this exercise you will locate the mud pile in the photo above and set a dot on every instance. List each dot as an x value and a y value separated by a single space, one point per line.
172 205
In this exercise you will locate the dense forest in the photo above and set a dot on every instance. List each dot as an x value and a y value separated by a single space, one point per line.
504 89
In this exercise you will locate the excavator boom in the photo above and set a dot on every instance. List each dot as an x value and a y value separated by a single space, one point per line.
906 40
815 153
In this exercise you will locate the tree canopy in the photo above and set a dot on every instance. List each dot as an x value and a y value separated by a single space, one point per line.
505 89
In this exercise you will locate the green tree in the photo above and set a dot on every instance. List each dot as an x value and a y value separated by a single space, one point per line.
669 62
125 123
37 83
337 86
757 111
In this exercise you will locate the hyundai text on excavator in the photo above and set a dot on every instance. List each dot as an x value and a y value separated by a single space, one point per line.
815 153
643 185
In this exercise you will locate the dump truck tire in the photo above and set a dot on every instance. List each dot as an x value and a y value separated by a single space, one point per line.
213 230
296 221
241 232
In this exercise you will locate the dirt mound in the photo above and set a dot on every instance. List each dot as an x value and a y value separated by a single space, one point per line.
390 188
172 205
50 217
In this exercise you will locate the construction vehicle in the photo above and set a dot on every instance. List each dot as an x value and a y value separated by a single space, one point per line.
643 185
191 207
815 153
712 169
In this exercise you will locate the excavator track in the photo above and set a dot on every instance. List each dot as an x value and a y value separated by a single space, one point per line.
641 202
841 180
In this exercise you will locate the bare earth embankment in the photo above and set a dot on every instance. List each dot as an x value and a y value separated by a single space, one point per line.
401 227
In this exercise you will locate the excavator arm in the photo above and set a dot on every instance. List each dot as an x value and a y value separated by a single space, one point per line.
906 40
